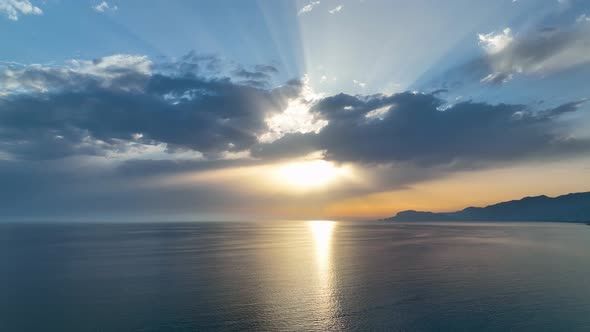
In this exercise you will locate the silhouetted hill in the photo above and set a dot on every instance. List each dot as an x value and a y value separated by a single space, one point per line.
567 208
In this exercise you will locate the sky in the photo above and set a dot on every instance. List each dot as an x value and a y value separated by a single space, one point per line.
328 109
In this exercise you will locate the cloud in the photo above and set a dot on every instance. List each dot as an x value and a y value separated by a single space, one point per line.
13 8
495 42
194 63
359 83
105 6
410 128
122 71
260 76
124 134
308 8
296 117
540 52
84 189
118 103
335 9
497 77
269 69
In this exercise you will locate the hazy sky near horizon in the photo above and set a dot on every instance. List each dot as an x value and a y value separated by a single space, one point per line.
347 109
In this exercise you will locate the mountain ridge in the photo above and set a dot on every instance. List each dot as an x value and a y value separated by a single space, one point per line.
572 207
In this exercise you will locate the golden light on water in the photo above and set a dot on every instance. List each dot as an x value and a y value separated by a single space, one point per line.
322 239
322 232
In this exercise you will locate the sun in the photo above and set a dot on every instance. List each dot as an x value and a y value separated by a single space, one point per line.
309 174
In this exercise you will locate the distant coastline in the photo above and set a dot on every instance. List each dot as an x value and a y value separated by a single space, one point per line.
574 207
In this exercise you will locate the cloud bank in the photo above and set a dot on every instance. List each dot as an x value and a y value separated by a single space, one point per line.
411 127
124 134
111 103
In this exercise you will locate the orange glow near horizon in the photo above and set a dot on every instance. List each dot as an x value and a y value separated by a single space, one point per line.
461 190
319 189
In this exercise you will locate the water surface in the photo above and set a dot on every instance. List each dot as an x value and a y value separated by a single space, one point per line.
295 276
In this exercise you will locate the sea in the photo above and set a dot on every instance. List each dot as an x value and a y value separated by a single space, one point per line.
294 276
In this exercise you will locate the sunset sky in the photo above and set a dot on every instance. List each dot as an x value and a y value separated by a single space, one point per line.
328 109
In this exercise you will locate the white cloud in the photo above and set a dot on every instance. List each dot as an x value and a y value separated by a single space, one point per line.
104 6
336 9
495 42
110 66
583 18
17 78
359 83
127 150
296 118
327 79
309 7
497 77
229 155
13 8
378 114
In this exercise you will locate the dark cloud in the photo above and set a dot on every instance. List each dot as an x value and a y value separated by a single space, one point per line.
269 69
48 190
288 146
414 128
260 76
140 168
193 63
93 113
251 75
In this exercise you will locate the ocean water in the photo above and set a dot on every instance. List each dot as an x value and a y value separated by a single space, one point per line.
295 276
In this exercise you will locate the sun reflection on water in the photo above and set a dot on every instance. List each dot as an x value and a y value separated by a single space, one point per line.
322 231
322 240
